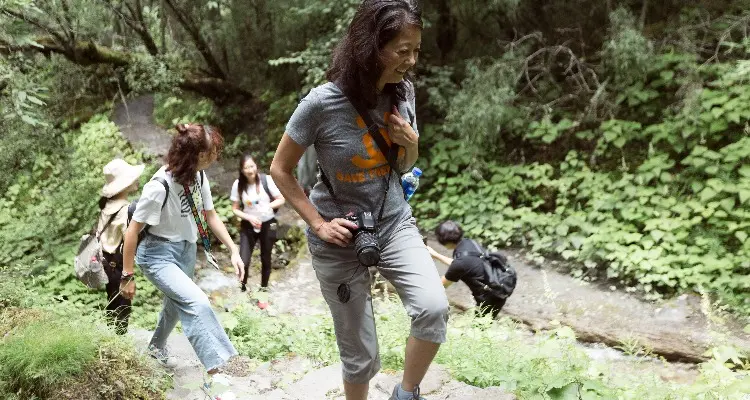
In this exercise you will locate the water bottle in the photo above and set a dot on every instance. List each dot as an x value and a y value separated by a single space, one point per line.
410 182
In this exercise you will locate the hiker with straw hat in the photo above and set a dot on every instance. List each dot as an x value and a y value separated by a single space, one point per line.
122 180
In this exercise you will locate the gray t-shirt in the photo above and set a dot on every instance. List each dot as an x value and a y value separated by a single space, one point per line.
348 155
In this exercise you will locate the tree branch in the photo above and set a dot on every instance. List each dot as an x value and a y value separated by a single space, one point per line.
136 22
200 43
90 53
58 37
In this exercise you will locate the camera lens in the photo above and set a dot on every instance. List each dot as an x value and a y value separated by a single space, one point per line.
369 256
368 251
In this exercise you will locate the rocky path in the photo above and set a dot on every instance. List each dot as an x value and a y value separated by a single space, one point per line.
679 329
294 292
136 122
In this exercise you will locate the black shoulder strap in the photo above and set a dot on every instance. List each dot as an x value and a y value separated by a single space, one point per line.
164 203
478 253
390 152
166 188
264 182
104 228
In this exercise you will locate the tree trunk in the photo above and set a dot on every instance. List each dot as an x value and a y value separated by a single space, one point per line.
446 29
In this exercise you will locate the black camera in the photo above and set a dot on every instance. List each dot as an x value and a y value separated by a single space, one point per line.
365 238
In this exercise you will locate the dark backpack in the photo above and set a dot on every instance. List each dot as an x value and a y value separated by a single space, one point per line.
134 204
499 276
264 182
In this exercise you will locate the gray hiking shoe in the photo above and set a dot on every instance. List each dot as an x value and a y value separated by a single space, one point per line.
162 356
414 395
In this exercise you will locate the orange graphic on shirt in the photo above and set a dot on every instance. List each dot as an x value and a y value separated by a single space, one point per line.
374 164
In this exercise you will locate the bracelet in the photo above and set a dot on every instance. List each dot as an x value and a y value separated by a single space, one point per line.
126 276
320 225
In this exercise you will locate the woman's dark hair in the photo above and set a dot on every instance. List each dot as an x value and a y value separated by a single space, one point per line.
449 232
242 184
103 202
356 63
187 144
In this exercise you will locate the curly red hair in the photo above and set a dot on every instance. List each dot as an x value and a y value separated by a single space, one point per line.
190 141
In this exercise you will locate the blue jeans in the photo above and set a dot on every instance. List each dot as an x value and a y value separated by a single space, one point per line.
170 266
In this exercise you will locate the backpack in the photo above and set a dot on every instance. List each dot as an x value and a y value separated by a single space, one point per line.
264 182
307 169
499 276
89 267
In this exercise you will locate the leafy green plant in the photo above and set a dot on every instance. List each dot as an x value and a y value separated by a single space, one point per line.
177 108
55 352
36 360
484 353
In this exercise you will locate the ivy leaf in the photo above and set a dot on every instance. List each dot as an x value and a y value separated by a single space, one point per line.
568 392
576 241
744 195
666 75
707 194
562 229
657 234
728 204
718 125
741 236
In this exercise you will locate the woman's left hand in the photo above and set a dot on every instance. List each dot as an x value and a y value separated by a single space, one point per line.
239 266
401 131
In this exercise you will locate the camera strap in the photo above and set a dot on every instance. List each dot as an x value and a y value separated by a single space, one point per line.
390 152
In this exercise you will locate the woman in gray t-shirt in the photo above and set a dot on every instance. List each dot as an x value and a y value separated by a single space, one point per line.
368 69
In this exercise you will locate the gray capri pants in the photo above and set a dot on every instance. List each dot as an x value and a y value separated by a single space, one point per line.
407 264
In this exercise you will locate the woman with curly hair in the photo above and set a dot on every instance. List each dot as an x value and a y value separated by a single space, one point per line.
176 207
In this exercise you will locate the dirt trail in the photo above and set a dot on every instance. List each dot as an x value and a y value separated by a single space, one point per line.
676 329
136 122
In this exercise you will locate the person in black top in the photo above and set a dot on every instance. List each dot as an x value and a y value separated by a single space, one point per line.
466 268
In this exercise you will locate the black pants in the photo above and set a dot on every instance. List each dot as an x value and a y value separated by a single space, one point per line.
248 237
118 308
489 306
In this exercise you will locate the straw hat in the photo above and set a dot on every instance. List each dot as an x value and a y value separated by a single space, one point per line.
119 175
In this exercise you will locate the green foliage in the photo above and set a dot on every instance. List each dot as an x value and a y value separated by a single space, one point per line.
173 109
50 206
314 59
35 360
653 228
480 114
223 207
484 353
55 353
626 53
280 109
146 74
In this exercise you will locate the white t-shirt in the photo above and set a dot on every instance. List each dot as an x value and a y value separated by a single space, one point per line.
255 200
175 222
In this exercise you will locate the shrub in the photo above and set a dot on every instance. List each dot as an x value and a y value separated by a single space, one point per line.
40 356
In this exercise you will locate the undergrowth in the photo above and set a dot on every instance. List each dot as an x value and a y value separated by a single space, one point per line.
485 353
52 352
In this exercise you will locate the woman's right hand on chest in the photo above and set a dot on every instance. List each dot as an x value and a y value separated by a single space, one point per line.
336 231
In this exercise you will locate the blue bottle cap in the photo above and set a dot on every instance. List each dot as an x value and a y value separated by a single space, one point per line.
416 171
